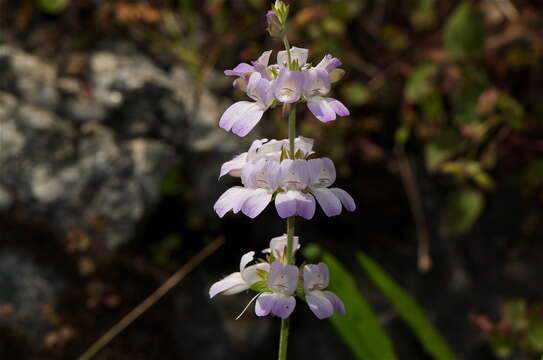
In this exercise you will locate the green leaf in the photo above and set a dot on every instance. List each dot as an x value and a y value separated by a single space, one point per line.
442 147
359 328
462 210
410 312
355 93
53 6
464 32
420 83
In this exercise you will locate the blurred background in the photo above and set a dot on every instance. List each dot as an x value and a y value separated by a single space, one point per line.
110 152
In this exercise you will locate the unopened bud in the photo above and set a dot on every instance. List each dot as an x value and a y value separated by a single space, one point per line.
274 24
336 75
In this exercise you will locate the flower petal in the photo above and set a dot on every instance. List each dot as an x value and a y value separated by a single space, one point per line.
316 277
245 259
233 114
239 70
316 82
328 201
282 278
232 284
256 203
297 54
338 107
320 107
322 172
264 304
250 275
319 304
346 199
339 307
231 199
233 167
293 174
305 206
283 306
247 119
285 203
288 85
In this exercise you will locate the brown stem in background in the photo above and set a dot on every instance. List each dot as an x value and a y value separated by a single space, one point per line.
415 203
152 299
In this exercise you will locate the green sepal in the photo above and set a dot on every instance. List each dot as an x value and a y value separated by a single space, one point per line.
263 274
260 286
284 154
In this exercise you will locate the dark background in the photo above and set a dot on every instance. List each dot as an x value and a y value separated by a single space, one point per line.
110 151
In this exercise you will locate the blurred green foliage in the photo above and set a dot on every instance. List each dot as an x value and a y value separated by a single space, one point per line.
361 329
519 332
408 309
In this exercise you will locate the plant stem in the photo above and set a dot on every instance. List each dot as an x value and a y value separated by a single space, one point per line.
285 323
287 48
283 339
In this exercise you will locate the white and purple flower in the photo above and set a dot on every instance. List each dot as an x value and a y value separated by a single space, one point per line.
259 182
282 282
239 281
242 116
322 303
323 174
269 149
303 182
317 84
293 178
278 247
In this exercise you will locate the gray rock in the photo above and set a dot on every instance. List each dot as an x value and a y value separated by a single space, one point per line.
28 288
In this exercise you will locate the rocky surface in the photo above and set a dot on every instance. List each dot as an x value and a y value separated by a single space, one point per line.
90 154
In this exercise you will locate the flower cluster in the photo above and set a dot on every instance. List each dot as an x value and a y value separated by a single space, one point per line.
267 173
290 80
286 172
279 283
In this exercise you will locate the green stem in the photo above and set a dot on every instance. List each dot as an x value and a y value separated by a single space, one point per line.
287 48
285 323
292 130
283 339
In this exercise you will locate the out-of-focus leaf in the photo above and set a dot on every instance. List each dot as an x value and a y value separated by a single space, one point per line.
462 210
409 310
533 175
394 37
511 111
312 252
515 314
53 6
420 84
471 169
464 32
359 328
424 16
535 334
173 183
442 147
333 26
345 9
355 93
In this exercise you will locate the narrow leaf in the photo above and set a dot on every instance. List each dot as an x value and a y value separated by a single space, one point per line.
359 328
410 312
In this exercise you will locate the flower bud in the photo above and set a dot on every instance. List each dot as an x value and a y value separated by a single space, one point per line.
274 25
336 75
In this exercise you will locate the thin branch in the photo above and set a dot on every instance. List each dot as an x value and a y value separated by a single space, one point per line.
152 299
415 203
